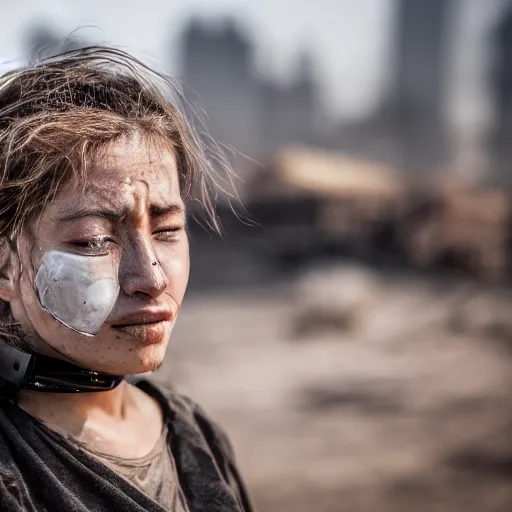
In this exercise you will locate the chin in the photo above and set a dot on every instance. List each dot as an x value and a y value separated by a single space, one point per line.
148 359
144 360
135 352
126 361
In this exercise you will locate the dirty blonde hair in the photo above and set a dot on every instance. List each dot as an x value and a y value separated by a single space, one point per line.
56 115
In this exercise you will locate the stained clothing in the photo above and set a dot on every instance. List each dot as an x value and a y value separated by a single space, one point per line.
41 470
154 474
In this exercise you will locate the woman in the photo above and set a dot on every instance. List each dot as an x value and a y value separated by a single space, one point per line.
97 168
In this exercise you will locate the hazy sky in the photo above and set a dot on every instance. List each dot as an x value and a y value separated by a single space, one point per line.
349 38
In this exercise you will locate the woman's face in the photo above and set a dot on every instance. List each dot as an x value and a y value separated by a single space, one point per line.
104 270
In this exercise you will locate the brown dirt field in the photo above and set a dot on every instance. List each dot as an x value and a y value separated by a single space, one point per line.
398 413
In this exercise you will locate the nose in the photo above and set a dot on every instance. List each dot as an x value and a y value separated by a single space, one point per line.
140 272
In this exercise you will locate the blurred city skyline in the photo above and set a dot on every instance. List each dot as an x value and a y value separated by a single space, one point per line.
351 42
412 79
351 68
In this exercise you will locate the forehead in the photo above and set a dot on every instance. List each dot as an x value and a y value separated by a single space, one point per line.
126 172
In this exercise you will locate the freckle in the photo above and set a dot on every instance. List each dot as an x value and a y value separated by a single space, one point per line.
85 302
118 337
130 350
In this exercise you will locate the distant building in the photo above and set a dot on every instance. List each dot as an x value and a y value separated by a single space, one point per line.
9 64
501 88
288 113
43 41
217 73
245 111
417 98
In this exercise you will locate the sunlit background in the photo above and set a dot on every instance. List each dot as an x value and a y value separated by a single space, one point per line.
352 329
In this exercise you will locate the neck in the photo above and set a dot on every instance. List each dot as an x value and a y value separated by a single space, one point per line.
65 409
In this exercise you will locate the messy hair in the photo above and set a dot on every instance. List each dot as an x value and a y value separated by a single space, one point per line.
56 115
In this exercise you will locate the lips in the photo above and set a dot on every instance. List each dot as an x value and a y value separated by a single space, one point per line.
144 317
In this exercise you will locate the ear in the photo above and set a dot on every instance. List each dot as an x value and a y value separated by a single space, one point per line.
7 271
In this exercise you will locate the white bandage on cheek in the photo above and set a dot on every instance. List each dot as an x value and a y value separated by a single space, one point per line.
78 291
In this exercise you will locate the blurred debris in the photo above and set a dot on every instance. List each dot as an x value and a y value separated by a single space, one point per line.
335 299
314 203
483 313
465 229
330 174
363 398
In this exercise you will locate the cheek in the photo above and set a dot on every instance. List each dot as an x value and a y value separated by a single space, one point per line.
176 267
26 308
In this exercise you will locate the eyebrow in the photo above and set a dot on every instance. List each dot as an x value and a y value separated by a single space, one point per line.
170 209
117 215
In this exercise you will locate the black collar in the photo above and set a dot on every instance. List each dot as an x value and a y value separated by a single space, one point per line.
20 370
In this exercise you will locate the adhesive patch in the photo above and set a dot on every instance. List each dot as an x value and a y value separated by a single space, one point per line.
78 291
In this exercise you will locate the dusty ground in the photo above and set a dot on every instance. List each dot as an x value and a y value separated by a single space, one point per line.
395 412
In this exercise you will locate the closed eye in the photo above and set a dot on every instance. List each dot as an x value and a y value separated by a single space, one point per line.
168 234
94 245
